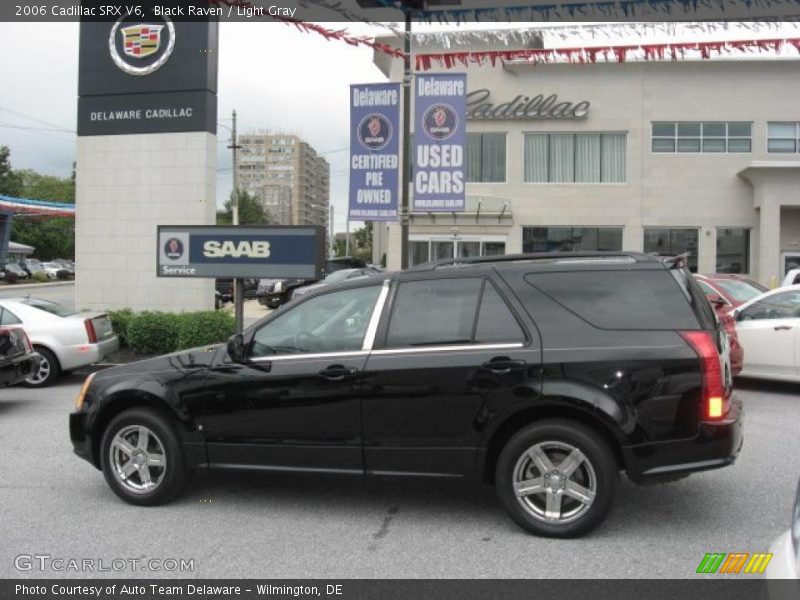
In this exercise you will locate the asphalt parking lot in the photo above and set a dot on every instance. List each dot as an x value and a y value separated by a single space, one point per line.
302 526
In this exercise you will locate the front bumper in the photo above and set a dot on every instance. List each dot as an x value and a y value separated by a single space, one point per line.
72 357
81 442
717 444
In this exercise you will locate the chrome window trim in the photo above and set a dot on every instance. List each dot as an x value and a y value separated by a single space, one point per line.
451 348
299 355
372 327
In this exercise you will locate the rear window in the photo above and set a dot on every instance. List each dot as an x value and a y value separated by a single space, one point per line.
623 299
50 307
741 291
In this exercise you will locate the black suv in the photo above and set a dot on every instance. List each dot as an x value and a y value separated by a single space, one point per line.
545 374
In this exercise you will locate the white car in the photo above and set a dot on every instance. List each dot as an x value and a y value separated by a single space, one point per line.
768 327
51 269
792 278
64 339
785 562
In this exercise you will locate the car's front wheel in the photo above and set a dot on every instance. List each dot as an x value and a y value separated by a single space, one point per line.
142 457
557 478
48 370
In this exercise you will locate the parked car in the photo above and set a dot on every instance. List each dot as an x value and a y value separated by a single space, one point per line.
785 562
725 292
792 278
768 327
31 265
274 292
55 270
64 338
544 374
15 272
335 277
18 361
65 264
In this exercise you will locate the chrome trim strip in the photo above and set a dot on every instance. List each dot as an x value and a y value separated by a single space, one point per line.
372 327
299 355
464 348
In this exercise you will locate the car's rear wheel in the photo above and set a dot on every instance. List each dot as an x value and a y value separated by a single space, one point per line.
142 457
557 478
48 371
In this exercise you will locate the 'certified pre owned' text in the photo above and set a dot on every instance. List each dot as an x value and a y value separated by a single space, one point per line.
139 114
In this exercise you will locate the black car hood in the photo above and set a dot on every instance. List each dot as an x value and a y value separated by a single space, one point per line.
175 363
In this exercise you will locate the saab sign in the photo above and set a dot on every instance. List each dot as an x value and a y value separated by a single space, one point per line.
241 252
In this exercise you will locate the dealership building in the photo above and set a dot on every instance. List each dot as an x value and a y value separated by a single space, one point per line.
697 156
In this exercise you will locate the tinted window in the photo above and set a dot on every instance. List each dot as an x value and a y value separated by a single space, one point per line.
785 305
335 322
8 318
622 299
51 307
496 322
741 291
435 311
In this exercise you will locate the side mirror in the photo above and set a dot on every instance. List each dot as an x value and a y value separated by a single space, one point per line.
735 314
236 349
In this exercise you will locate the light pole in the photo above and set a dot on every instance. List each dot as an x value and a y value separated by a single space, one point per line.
238 283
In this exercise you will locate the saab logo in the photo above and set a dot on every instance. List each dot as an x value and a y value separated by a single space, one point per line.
141 48
173 248
736 562
255 249
374 132
440 121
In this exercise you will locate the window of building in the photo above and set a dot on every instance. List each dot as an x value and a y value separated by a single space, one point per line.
702 136
733 250
783 137
486 158
571 239
422 251
575 157
672 242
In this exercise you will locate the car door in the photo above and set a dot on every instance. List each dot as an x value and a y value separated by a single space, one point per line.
450 354
768 331
293 402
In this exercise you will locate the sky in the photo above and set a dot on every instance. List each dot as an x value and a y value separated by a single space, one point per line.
276 77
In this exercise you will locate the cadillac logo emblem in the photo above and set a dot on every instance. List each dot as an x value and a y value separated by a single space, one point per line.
141 48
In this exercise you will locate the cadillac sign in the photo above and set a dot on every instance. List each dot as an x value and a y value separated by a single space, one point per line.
141 48
539 107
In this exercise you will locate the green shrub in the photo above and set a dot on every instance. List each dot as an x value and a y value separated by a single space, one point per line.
204 327
153 332
160 332
120 320
40 277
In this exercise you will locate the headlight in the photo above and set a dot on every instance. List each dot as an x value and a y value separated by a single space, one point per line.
796 523
278 287
82 394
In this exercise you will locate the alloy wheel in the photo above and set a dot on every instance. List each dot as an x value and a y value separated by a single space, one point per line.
138 459
42 373
554 482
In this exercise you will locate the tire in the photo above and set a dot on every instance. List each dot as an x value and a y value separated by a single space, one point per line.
167 477
273 304
596 471
49 369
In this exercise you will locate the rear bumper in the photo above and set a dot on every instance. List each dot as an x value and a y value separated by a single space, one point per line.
19 369
72 357
784 564
716 445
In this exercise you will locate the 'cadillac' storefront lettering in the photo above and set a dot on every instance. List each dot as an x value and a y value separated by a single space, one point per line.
524 107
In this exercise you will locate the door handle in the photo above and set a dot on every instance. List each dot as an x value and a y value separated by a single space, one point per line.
782 327
338 372
503 364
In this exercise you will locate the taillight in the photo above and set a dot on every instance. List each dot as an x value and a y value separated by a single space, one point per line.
90 331
26 341
715 397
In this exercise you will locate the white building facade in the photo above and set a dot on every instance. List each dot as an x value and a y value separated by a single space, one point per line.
670 157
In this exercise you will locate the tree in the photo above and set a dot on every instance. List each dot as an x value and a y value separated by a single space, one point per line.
251 211
52 237
46 187
9 180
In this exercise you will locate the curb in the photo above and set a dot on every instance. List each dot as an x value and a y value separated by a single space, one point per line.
30 286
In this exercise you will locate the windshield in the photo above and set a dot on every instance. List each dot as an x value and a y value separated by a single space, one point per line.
739 290
339 275
50 307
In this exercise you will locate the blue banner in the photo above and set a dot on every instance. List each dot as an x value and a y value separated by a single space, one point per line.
440 137
374 151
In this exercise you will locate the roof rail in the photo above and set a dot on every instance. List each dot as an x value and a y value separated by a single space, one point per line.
678 261
534 256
